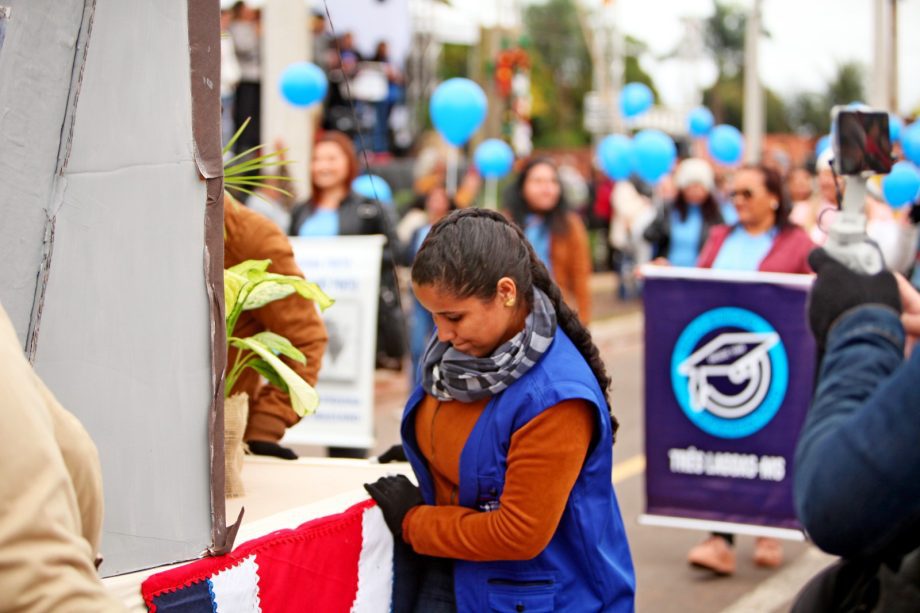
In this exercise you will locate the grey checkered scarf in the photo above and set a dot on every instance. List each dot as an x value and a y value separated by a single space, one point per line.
448 374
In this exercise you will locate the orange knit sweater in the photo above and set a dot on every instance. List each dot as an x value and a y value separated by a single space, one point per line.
543 462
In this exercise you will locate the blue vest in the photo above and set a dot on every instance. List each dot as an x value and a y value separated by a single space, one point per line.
587 565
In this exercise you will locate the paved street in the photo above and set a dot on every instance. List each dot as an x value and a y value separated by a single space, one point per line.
665 582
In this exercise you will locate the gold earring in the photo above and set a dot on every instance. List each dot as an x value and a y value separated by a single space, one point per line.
509 302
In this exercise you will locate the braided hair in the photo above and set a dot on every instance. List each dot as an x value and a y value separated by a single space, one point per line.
467 252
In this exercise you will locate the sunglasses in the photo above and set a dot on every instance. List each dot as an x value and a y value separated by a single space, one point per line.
742 193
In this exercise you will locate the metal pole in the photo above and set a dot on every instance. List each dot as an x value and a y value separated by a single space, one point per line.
753 91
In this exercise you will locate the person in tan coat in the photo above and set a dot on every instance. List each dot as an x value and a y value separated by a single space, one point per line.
250 236
535 202
50 496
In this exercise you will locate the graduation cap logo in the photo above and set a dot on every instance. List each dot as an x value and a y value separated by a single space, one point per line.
729 372
739 357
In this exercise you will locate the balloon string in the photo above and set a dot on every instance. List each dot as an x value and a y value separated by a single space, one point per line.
351 102
492 187
389 252
453 165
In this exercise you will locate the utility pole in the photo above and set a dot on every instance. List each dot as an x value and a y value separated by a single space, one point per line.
893 80
607 56
286 39
883 84
754 119
878 83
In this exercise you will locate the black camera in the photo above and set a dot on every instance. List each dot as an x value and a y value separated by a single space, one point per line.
861 141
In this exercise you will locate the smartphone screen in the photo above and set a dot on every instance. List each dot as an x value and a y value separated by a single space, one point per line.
862 142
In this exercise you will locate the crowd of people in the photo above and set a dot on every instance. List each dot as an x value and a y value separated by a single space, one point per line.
497 326
364 88
507 384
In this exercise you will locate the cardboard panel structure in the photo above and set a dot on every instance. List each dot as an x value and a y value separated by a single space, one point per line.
110 177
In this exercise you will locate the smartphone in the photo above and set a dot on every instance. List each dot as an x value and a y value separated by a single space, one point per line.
861 141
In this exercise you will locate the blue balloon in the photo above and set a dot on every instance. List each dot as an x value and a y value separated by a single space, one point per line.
700 121
373 187
616 156
493 158
655 154
457 108
902 184
726 144
635 99
303 84
895 125
910 142
823 143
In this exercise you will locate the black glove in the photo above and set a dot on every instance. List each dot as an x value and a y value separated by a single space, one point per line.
395 496
396 453
272 449
838 289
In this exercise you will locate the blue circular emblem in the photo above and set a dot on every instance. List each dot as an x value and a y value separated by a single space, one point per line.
729 372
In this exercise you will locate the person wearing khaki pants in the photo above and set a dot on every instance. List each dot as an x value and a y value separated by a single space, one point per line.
50 493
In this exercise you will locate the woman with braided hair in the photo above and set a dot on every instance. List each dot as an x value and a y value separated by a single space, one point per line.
513 390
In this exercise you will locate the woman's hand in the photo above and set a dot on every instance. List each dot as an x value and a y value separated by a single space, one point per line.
395 496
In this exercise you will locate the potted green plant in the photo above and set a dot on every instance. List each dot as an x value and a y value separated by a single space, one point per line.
247 286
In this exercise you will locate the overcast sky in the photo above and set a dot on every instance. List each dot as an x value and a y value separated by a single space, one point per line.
809 38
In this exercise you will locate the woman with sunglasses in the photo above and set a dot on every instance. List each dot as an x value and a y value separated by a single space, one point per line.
763 240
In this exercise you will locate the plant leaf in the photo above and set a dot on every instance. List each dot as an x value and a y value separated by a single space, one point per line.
279 344
237 188
244 268
235 137
264 292
264 368
304 398
233 285
306 289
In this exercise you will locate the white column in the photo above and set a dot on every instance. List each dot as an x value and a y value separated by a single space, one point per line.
754 119
286 38
879 78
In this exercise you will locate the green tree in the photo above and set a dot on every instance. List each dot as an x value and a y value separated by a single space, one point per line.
724 37
729 95
847 84
810 112
632 70
454 61
561 72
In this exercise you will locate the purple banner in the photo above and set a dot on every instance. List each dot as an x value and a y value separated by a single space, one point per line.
729 369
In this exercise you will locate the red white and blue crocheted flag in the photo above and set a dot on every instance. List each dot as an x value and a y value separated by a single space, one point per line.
337 563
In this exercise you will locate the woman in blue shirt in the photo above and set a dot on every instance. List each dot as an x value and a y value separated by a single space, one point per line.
682 227
335 210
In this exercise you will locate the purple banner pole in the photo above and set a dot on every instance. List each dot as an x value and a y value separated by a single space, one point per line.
729 370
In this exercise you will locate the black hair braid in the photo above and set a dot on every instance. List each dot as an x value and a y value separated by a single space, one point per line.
472 264
576 331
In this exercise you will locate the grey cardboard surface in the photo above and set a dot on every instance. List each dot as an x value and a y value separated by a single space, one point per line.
99 179
34 92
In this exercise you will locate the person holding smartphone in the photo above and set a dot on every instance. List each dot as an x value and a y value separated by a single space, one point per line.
856 485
